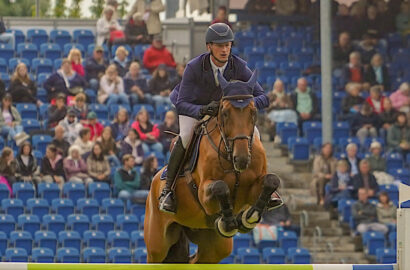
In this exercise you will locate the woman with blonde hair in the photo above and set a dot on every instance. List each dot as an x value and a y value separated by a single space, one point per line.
22 88
76 61
121 61
112 88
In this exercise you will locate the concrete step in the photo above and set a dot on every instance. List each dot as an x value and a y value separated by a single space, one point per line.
329 231
335 240
321 256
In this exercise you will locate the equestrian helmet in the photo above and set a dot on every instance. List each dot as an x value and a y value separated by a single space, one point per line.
219 33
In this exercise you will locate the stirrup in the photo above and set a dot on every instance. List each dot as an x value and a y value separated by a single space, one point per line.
167 202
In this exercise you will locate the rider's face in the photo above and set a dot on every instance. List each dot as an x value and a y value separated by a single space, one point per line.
221 51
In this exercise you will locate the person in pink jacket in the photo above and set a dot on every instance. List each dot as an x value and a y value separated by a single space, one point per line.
148 132
401 98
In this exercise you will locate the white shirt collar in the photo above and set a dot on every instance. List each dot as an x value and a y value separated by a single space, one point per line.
216 68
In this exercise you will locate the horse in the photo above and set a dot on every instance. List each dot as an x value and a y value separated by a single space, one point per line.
226 192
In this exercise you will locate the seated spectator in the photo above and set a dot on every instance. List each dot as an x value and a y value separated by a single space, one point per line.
157 54
10 122
112 88
121 61
376 99
304 102
106 25
136 30
324 167
373 24
366 123
76 61
96 128
377 73
97 165
109 147
402 19
60 142
27 168
364 179
376 161
95 67
352 101
221 16
180 71
8 166
365 215
120 125
160 86
388 117
398 136
71 126
84 141
401 98
367 50
150 10
342 50
339 188
57 112
354 71
148 132
22 89
280 217
136 85
132 145
386 210
148 171
352 159
75 168
52 170
168 130
80 106
65 81
127 181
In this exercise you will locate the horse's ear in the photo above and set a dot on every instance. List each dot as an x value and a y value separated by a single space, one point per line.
252 80
222 81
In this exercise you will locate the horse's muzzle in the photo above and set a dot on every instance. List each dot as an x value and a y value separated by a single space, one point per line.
241 163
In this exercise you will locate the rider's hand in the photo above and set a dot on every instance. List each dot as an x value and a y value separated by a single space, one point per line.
211 109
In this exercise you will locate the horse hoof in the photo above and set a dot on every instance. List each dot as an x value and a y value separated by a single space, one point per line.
249 220
221 227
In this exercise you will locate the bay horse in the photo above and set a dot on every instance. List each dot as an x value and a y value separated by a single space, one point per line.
227 191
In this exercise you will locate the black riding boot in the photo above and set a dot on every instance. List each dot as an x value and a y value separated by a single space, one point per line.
167 197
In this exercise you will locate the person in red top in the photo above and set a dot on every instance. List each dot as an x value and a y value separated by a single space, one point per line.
353 71
95 127
158 54
376 99
148 132
76 61
222 16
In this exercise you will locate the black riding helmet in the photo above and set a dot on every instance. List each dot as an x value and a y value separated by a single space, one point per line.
219 33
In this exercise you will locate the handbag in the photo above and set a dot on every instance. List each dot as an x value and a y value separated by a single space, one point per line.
117 36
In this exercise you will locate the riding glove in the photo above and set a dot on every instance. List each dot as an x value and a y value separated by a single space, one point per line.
211 109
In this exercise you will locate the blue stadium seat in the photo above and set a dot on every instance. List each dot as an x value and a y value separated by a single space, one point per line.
372 241
30 125
74 191
118 239
45 239
98 191
88 207
27 110
340 130
394 161
28 51
40 65
103 223
299 256
7 223
241 241
84 37
41 78
29 223
100 109
386 255
140 255
54 223
273 255
127 223
67 48
287 239
69 239
286 130
93 255
42 255
114 108
94 239
60 37
3 66
392 190
37 36
150 109
113 207
312 130
248 256
68 255
19 36
6 52
23 191
119 255
50 51
64 207
22 239
48 191
40 142
4 191
16 255
393 240
5 78
12 207
43 109
3 242
78 222
13 62
345 209
137 239
266 70
228 260
57 63
401 174
343 142
299 148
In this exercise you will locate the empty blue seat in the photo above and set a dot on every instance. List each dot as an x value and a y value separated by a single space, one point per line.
27 110
46 239
100 109
57 63
64 207
3 66
119 255
248 256
137 239
140 255
4 191
67 48
150 109
343 142
93 255
48 191
266 70
69 239
30 125
12 207
273 255
392 190
312 130
386 255
372 241
299 256
60 37
13 62
41 78
127 223
241 241
345 209
7 224
340 130
299 148
287 239
16 255
118 239
3 242
40 142
23 191
29 223
228 260
22 239
37 36
401 174
99 191
6 52
393 240
394 161
286 130
103 223
84 37
68 255
114 108
74 191
78 222
137 209
113 207
88 207
42 255
54 223
94 239
28 51
50 51
40 65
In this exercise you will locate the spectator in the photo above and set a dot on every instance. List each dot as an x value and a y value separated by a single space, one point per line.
10 122
366 123
121 125
127 181
388 117
76 61
373 23
367 49
96 128
132 145
180 71
398 136
377 73
353 71
65 81
343 22
109 147
376 161
157 54
57 112
52 170
84 141
401 98
386 210
106 25
95 67
22 89
376 99
148 132
280 217
304 102
365 215
136 85
324 167
150 10
352 159
352 101
148 171
27 168
121 61
358 14
75 167
60 142
4 36
80 106
112 88
342 50
339 188
222 16
71 126
364 179
97 165
8 166
160 86
402 19
280 106
168 130
136 30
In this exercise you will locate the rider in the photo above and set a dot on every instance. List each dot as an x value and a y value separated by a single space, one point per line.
199 94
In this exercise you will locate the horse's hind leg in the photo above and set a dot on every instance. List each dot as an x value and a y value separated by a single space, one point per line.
179 252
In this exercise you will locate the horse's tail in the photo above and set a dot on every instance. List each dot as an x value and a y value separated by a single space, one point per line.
179 252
